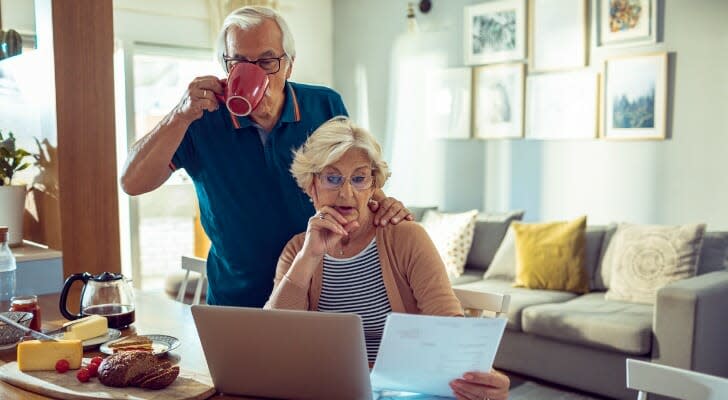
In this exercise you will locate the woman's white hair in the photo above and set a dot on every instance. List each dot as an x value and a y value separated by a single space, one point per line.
248 17
327 145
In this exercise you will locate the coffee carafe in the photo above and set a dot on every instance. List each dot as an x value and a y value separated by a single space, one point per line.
107 294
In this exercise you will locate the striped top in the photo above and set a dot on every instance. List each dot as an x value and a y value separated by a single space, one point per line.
355 285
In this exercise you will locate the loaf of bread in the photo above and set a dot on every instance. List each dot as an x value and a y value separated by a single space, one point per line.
137 368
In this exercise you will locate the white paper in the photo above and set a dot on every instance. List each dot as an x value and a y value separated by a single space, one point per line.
422 353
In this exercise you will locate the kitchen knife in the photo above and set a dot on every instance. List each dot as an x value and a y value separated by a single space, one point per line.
35 334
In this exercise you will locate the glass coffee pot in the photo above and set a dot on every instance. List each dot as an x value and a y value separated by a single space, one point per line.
107 294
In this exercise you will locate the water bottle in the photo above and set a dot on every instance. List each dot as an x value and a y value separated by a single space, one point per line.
7 270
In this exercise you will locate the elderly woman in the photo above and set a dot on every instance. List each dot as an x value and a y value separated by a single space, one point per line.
344 263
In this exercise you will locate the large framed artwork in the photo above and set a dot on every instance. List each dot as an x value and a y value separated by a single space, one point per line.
562 105
495 32
558 34
635 97
498 101
448 103
626 22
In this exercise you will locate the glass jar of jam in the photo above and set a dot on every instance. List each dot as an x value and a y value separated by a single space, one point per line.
28 304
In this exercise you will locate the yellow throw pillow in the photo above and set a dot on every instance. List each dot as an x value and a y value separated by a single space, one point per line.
551 255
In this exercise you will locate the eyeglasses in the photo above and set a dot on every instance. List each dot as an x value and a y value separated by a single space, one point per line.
359 182
269 65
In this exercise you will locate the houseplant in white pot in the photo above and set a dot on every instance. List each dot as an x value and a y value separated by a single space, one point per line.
12 197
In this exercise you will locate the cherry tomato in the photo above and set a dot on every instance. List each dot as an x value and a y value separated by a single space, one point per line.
62 366
83 375
97 360
93 369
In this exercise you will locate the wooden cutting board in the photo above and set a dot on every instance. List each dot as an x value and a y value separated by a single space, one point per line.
187 386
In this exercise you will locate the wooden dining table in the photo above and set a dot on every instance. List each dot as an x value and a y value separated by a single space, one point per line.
156 313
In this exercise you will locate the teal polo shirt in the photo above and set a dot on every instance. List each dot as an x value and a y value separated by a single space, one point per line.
250 205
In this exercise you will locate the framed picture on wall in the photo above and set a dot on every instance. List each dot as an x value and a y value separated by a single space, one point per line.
562 105
498 101
626 22
495 32
448 104
558 34
635 97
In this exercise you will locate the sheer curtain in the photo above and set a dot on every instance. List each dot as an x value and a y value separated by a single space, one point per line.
416 159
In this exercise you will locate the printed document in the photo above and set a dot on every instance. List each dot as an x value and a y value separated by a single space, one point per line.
422 353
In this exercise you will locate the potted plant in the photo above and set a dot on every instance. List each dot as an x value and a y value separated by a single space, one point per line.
12 197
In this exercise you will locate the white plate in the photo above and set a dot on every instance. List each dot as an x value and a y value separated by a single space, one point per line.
161 344
111 334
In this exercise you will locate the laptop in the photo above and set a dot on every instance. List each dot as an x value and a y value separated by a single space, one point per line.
284 354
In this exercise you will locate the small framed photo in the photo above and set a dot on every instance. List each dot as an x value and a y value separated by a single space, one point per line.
562 105
495 32
498 101
626 22
635 97
448 104
558 34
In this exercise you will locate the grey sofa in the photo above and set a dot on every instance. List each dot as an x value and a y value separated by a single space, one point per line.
582 341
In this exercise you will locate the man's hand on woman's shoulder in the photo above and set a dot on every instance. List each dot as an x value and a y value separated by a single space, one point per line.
388 209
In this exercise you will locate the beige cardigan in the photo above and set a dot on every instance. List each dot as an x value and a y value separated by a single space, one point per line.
413 272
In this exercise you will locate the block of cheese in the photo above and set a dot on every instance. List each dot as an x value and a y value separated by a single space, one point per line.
86 328
34 355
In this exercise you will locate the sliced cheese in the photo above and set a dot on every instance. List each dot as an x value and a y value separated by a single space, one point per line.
88 327
34 355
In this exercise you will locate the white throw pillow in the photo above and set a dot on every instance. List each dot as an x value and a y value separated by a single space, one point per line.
643 258
503 265
452 234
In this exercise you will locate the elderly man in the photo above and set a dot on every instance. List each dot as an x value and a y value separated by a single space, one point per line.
250 205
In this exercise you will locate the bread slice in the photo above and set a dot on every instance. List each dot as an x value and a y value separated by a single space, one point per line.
132 343
161 379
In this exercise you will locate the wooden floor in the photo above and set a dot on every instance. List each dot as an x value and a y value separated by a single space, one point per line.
525 389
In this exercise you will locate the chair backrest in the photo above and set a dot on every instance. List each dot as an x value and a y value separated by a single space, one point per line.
198 265
674 382
476 303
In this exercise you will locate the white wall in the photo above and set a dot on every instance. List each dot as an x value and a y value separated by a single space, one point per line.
186 23
673 181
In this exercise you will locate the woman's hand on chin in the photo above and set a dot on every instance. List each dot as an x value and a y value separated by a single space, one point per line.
325 230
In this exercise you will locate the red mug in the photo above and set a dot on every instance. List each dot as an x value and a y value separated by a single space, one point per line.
244 88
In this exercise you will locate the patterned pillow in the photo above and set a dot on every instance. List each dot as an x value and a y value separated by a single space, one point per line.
452 234
643 258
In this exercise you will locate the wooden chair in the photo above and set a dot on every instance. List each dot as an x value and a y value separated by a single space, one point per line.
479 304
198 265
647 377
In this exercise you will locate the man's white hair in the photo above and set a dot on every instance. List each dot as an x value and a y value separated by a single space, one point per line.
248 17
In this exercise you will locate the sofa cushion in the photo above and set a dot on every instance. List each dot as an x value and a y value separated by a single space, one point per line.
644 258
714 253
520 297
503 265
490 228
466 277
551 255
602 275
594 237
452 234
591 320
419 212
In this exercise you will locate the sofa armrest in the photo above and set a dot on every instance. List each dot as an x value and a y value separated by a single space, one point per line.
689 324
